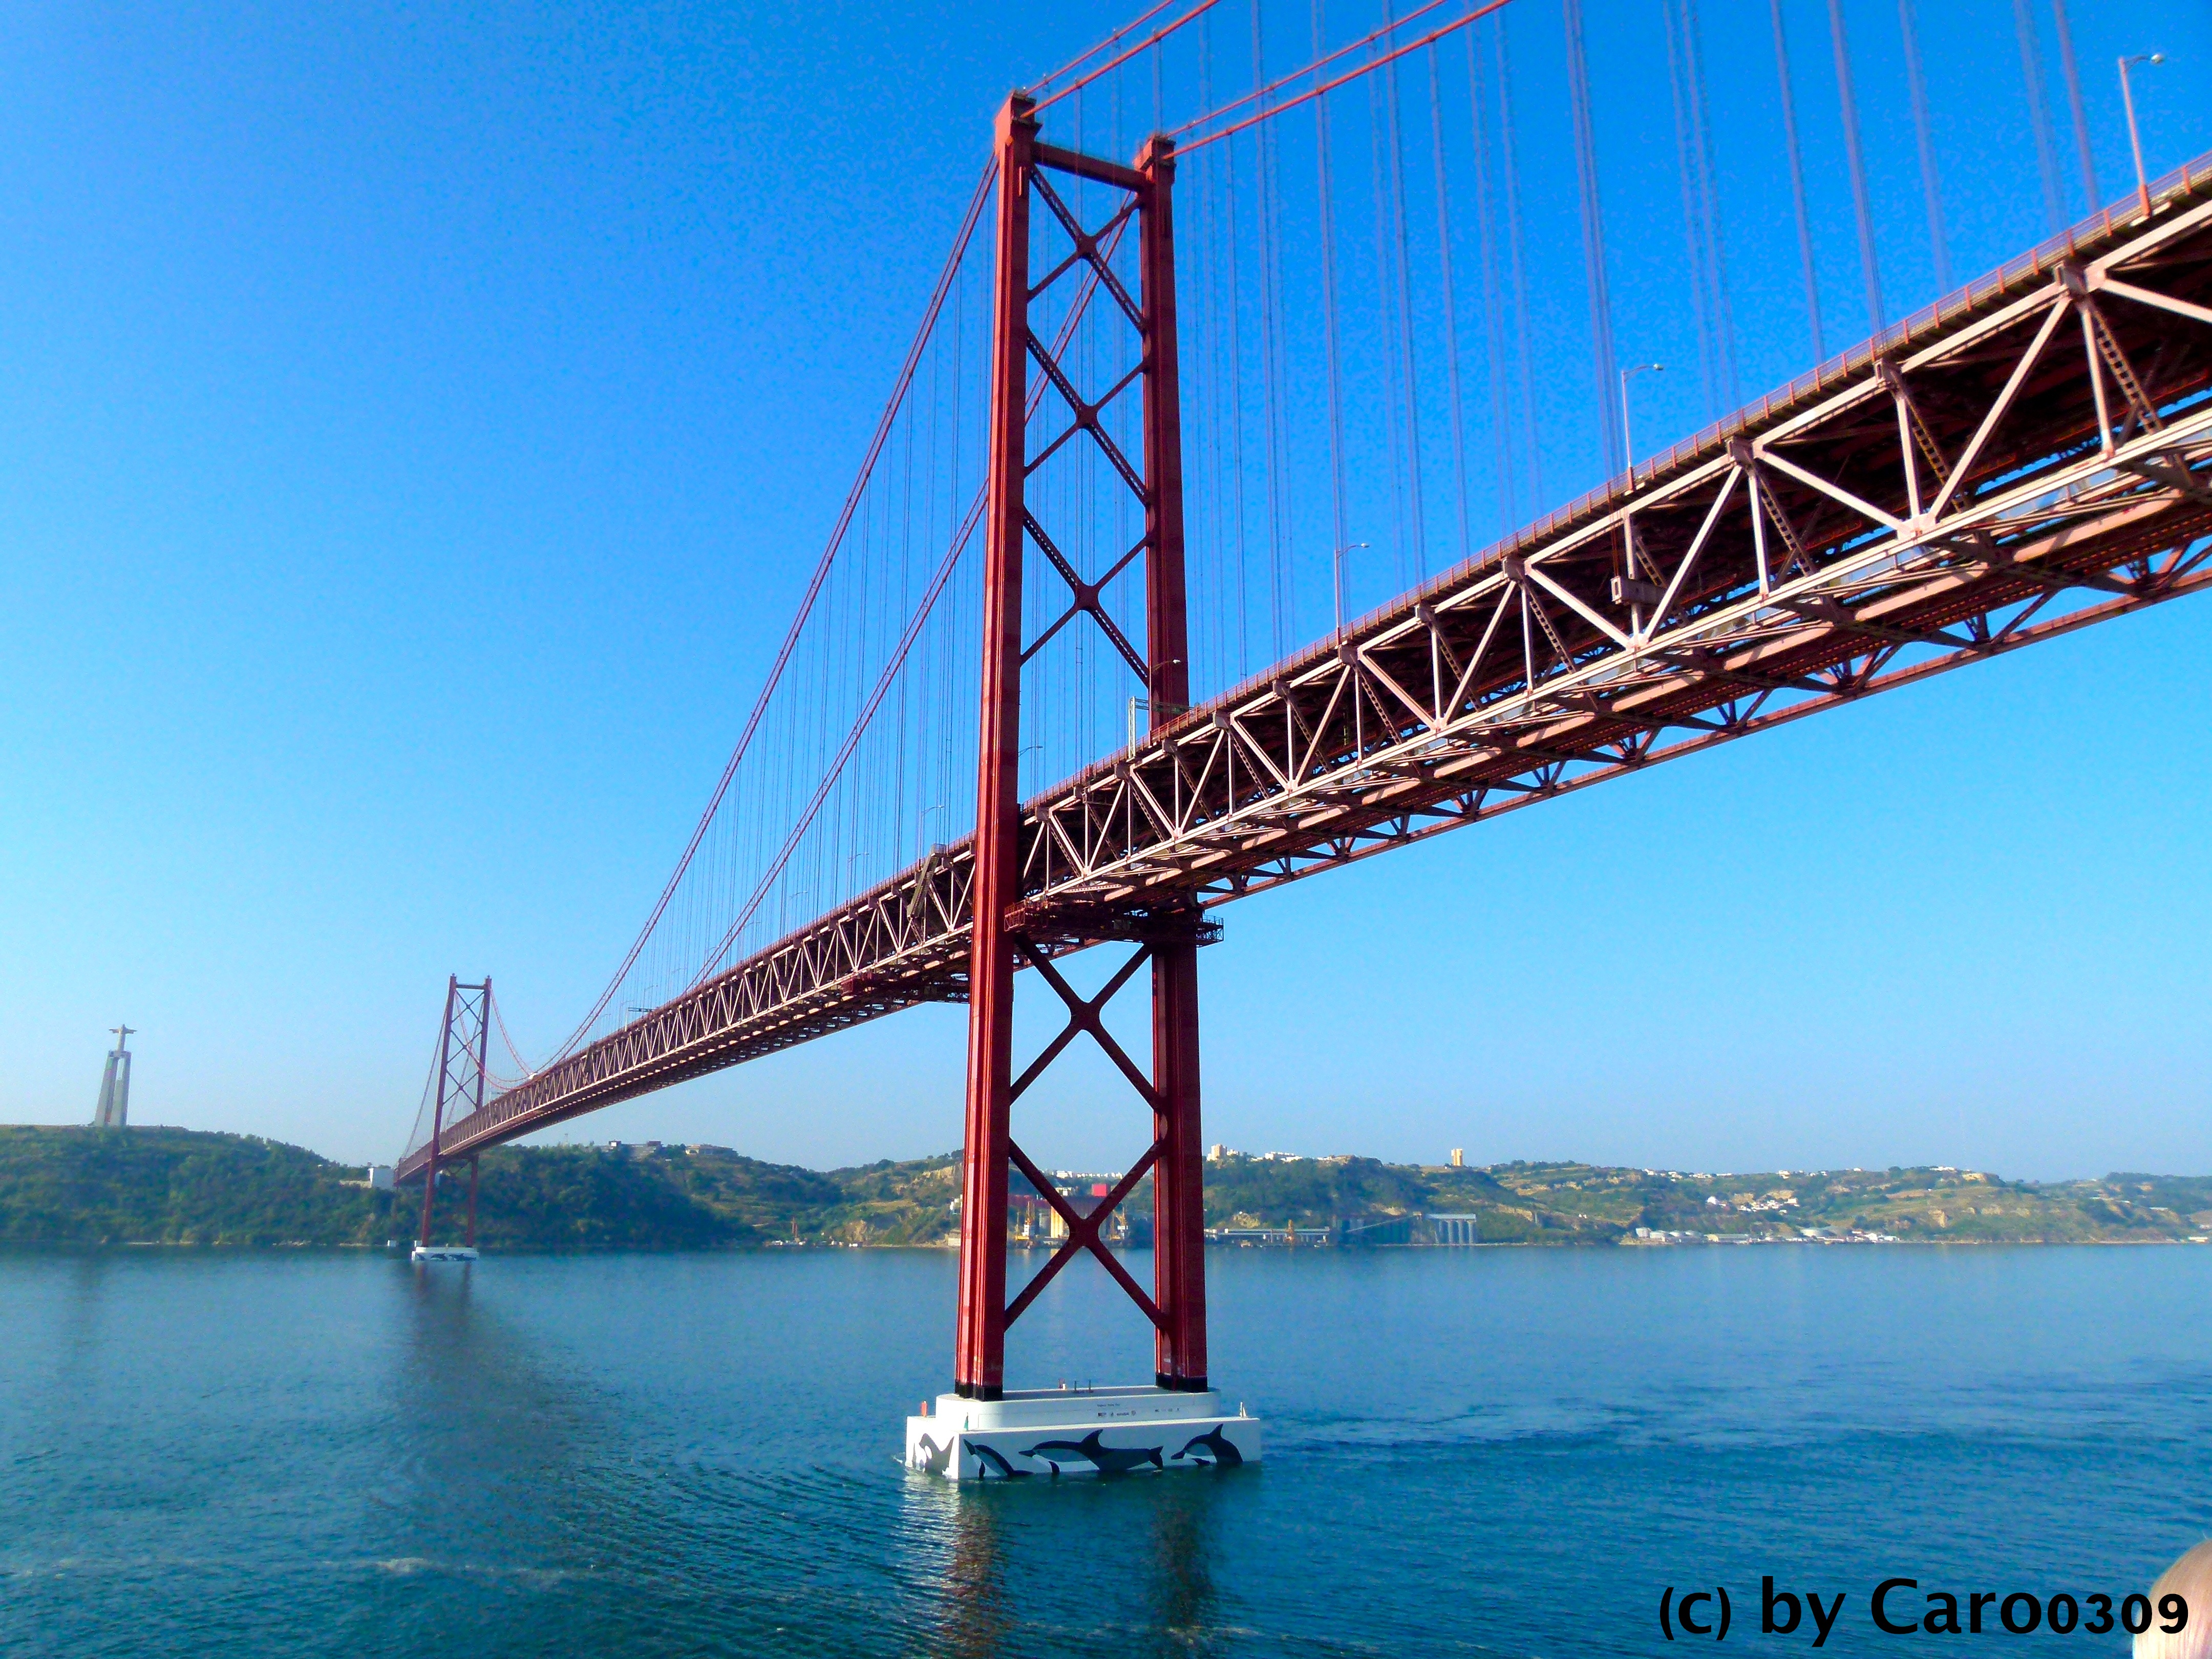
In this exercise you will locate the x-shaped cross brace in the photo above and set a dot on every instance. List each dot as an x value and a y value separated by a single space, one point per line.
1090 250
1082 1015
1086 597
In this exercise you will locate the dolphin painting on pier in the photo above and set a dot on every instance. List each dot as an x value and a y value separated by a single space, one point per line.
991 1458
1106 1459
1225 1454
934 1457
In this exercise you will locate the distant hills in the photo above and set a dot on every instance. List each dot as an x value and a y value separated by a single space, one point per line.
155 1186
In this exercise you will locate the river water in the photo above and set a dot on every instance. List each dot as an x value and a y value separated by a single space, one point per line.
1510 1451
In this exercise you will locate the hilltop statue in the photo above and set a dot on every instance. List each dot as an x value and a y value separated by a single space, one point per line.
113 1111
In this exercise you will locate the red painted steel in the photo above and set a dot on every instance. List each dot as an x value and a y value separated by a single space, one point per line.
1177 1306
484 1055
1429 724
466 1093
1179 1176
438 1110
980 1343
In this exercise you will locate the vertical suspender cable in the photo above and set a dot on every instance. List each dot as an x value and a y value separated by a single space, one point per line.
1930 184
1387 321
1797 181
1223 387
1271 319
1326 191
1284 524
2073 73
1601 302
1403 272
711 819
1202 390
2039 113
1692 217
1451 304
1493 326
1708 197
1510 157
1236 392
1869 262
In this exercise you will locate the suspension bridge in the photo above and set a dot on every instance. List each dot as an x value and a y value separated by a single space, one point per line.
1158 388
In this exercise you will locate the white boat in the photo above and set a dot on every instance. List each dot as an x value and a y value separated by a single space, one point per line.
443 1253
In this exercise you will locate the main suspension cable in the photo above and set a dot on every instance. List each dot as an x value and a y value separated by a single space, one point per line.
852 499
1327 86
890 671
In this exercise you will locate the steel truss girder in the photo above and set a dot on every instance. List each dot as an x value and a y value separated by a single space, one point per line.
1994 485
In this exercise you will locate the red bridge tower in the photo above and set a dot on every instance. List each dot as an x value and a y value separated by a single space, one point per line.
1177 1419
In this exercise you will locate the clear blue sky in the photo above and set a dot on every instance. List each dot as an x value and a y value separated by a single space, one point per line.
415 428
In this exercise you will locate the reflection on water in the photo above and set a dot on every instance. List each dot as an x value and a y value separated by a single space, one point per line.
299 1455
1143 1546
973 1619
1181 1577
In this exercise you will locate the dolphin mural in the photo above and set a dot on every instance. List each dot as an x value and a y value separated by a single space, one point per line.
992 1460
935 1457
1106 1459
1225 1454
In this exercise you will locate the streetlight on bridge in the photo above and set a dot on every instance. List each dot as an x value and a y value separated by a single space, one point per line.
2135 138
1627 442
1349 547
1628 588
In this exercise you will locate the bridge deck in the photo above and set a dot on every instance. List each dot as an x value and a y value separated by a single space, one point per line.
2028 458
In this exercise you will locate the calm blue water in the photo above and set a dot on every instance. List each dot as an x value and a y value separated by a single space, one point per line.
1494 1451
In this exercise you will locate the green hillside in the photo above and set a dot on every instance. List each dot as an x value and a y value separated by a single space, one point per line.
154 1186
176 1186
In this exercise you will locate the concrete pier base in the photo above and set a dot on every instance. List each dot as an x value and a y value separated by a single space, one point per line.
1080 1431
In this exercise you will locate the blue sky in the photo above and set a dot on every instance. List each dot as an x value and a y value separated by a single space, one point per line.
416 428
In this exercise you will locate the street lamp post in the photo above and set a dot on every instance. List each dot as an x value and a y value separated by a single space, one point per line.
1627 442
1349 547
1627 588
2135 138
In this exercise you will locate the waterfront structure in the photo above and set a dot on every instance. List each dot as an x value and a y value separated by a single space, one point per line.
113 1111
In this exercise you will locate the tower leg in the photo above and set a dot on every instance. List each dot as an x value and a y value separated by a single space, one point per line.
438 1108
980 1343
472 1203
1179 1177
982 1429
